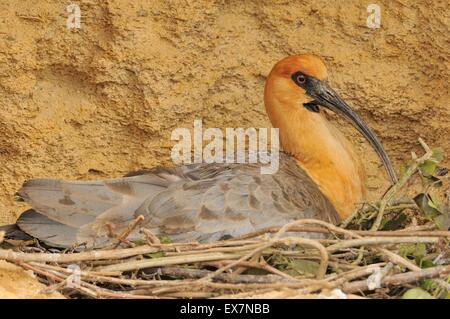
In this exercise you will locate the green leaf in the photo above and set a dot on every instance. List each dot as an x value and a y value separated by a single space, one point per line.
304 267
139 242
417 293
428 167
431 180
434 203
423 202
434 210
395 223
442 221
165 240
437 154
417 251
426 263
428 284
158 254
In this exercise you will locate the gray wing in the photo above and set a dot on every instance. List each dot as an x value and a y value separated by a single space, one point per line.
201 202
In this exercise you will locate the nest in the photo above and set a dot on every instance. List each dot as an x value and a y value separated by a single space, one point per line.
396 247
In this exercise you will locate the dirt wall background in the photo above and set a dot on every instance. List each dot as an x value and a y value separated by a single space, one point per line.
102 100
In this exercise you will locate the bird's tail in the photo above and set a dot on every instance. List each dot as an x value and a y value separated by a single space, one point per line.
67 213
13 231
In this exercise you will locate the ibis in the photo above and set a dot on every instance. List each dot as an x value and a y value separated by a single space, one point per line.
320 176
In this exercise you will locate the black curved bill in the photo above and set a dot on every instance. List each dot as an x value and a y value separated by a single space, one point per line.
325 96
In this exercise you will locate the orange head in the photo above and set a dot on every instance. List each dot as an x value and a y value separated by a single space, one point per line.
282 82
306 63
295 88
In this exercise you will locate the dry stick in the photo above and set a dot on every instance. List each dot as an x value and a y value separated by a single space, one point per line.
70 271
287 240
57 279
379 241
165 261
231 265
216 249
354 273
388 197
396 204
392 256
196 273
150 237
426 227
275 229
396 259
401 182
92 276
258 265
123 253
328 226
349 218
95 254
230 278
400 279
402 232
134 250
55 287
84 286
198 246
11 255
273 270
201 284
304 283
254 264
145 249
185 272
131 226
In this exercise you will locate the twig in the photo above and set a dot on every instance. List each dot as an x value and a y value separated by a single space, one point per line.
400 279
379 241
401 182
404 233
131 226
167 261
349 218
84 287
151 238
288 241
11 255
231 278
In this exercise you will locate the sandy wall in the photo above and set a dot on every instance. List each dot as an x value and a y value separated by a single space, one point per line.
102 100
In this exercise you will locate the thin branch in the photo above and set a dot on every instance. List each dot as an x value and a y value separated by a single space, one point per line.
379 241
400 279
387 198
167 261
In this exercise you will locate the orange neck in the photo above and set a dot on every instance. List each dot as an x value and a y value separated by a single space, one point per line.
320 149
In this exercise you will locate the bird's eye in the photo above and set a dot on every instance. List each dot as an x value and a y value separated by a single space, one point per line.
301 79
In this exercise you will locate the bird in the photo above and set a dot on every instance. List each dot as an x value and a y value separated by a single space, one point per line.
320 176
